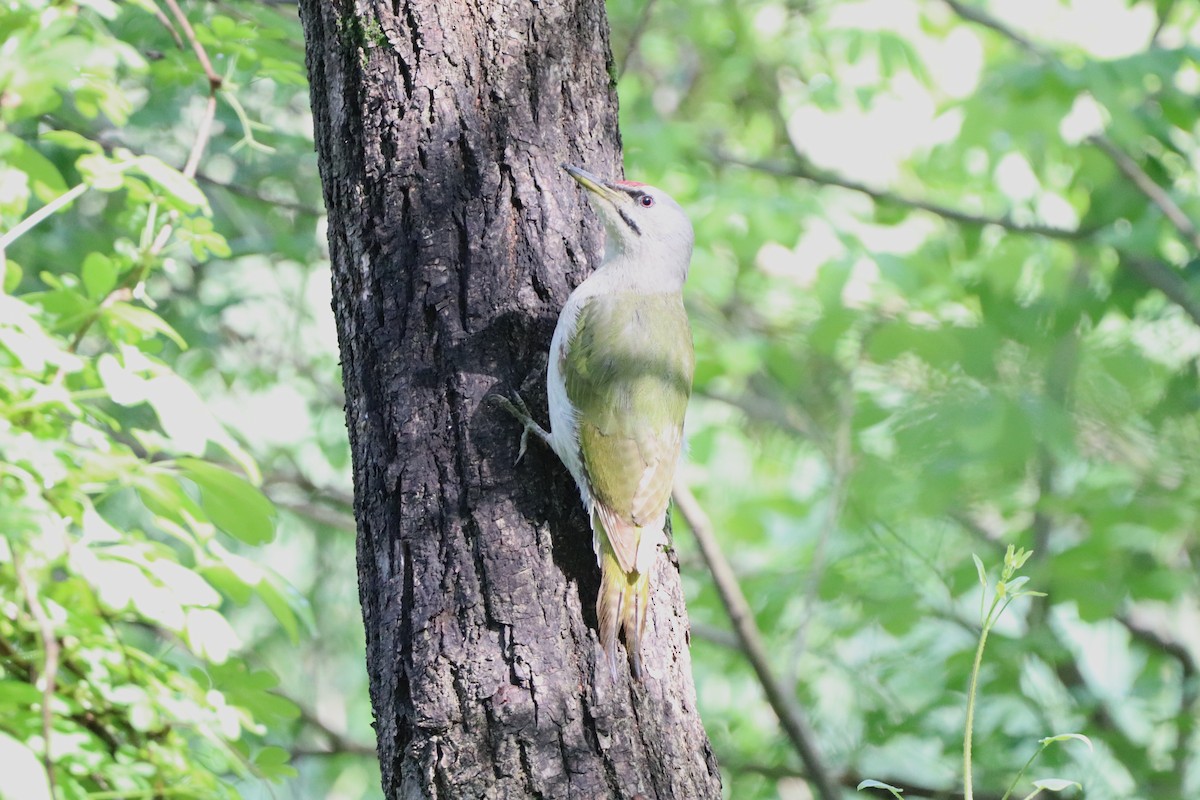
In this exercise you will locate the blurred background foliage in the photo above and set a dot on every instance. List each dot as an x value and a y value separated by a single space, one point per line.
945 298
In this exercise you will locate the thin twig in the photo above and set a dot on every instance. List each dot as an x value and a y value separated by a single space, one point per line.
1189 696
214 80
850 780
322 515
981 17
109 141
1157 275
251 194
714 635
1156 640
635 37
840 458
1128 167
1146 185
49 668
791 716
203 132
757 407
33 219
166 23
1163 18
805 172
338 742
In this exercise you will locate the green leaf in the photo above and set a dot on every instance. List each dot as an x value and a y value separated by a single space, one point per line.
1063 737
1013 587
286 604
874 784
12 276
233 504
980 571
140 320
24 776
99 275
18 693
44 178
272 762
161 493
1055 784
105 8
71 140
189 588
101 172
228 582
209 635
179 187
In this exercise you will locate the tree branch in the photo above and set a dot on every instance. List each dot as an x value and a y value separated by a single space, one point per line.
338 742
1168 281
1155 274
981 17
806 172
851 780
204 130
166 23
214 80
322 515
635 37
1155 640
791 716
840 458
1146 185
250 194
1163 17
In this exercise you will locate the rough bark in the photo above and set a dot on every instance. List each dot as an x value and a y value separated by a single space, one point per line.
455 238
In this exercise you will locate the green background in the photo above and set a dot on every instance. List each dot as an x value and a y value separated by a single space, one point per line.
944 297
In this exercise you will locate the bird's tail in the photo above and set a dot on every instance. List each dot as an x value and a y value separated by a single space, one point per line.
621 604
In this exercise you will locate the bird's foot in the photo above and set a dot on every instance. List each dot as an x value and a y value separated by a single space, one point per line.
516 406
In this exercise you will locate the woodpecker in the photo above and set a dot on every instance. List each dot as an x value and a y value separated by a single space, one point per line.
617 382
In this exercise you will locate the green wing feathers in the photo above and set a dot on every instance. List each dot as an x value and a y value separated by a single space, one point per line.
628 372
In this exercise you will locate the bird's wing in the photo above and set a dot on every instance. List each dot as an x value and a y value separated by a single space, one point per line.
628 373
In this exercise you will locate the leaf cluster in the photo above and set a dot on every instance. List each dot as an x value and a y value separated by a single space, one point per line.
125 502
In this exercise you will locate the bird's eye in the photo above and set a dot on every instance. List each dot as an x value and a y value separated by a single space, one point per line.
646 200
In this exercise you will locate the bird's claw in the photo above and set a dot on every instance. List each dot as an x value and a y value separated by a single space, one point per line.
524 442
516 406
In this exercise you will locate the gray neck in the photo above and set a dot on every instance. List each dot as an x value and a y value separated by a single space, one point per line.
649 266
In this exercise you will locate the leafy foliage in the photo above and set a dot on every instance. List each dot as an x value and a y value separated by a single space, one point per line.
939 310
123 499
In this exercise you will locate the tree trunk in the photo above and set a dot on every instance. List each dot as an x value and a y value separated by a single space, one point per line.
455 238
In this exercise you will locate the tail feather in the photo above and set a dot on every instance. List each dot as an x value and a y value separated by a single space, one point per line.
621 605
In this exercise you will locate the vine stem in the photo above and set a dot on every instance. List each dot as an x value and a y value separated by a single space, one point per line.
968 789
1002 599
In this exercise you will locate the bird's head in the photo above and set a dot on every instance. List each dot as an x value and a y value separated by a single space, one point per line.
646 228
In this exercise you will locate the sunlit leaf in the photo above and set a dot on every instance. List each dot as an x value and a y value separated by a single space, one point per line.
180 188
24 776
874 784
1064 737
232 504
1055 784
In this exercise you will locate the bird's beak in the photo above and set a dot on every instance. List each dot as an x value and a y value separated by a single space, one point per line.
594 184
